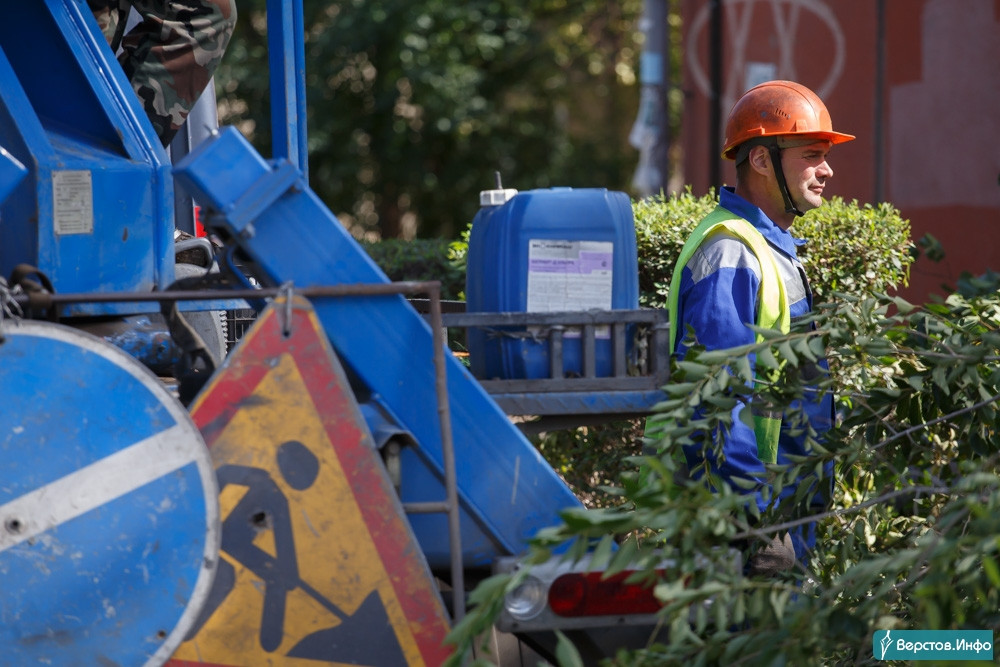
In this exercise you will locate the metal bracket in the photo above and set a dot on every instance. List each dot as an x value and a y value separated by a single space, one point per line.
241 213
287 293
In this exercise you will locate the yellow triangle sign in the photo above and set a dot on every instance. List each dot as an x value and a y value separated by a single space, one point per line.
318 564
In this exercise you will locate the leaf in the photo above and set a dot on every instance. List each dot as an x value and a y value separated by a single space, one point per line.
743 483
578 549
489 588
623 558
566 653
602 554
787 353
744 369
679 388
735 647
802 348
940 377
693 370
766 333
766 358
992 571
904 306
817 346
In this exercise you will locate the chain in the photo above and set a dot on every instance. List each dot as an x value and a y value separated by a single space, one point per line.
9 307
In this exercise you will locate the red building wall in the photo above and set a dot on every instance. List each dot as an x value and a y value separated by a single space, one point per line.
918 82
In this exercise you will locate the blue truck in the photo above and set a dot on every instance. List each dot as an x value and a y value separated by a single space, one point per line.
88 237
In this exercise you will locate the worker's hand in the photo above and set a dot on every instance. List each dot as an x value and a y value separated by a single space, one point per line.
777 556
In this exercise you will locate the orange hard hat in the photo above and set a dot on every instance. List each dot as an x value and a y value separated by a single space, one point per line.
779 108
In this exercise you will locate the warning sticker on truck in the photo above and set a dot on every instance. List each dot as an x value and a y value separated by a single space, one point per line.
73 201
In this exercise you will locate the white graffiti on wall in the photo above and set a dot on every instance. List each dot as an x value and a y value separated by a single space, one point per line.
739 18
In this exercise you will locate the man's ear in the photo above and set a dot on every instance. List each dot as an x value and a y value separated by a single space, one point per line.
760 159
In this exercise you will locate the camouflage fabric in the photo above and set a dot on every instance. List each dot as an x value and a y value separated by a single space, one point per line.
106 13
170 56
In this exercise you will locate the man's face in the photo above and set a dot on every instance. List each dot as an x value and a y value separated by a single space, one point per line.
806 172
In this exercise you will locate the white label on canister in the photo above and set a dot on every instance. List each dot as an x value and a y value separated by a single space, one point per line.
73 202
570 275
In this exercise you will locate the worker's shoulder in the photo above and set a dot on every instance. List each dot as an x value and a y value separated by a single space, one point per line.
722 250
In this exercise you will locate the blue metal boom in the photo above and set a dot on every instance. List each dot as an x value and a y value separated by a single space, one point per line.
507 490
95 213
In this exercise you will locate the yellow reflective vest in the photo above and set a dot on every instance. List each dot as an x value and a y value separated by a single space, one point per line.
772 312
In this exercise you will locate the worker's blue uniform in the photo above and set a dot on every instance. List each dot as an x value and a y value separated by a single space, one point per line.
717 298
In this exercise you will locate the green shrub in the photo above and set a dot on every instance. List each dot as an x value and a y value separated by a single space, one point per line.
910 541
662 225
590 458
420 259
852 249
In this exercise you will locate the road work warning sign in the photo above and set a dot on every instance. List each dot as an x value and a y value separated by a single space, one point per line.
318 562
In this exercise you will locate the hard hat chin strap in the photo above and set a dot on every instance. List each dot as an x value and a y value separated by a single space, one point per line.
779 175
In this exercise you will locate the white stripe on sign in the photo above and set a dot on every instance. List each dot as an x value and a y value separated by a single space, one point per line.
90 487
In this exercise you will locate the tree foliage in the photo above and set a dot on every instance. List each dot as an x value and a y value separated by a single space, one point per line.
911 539
412 106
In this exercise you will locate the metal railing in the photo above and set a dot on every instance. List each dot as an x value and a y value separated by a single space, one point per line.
637 342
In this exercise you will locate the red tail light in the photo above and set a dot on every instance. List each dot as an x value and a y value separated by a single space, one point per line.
587 594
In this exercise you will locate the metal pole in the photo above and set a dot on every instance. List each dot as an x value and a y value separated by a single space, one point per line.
300 88
362 289
653 68
879 92
448 451
286 62
715 100
665 138
202 121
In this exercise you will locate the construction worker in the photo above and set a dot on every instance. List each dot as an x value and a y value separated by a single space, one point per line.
170 55
740 267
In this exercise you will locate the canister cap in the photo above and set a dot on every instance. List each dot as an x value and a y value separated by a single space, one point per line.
496 197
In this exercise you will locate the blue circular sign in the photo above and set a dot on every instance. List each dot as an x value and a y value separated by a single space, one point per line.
109 516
